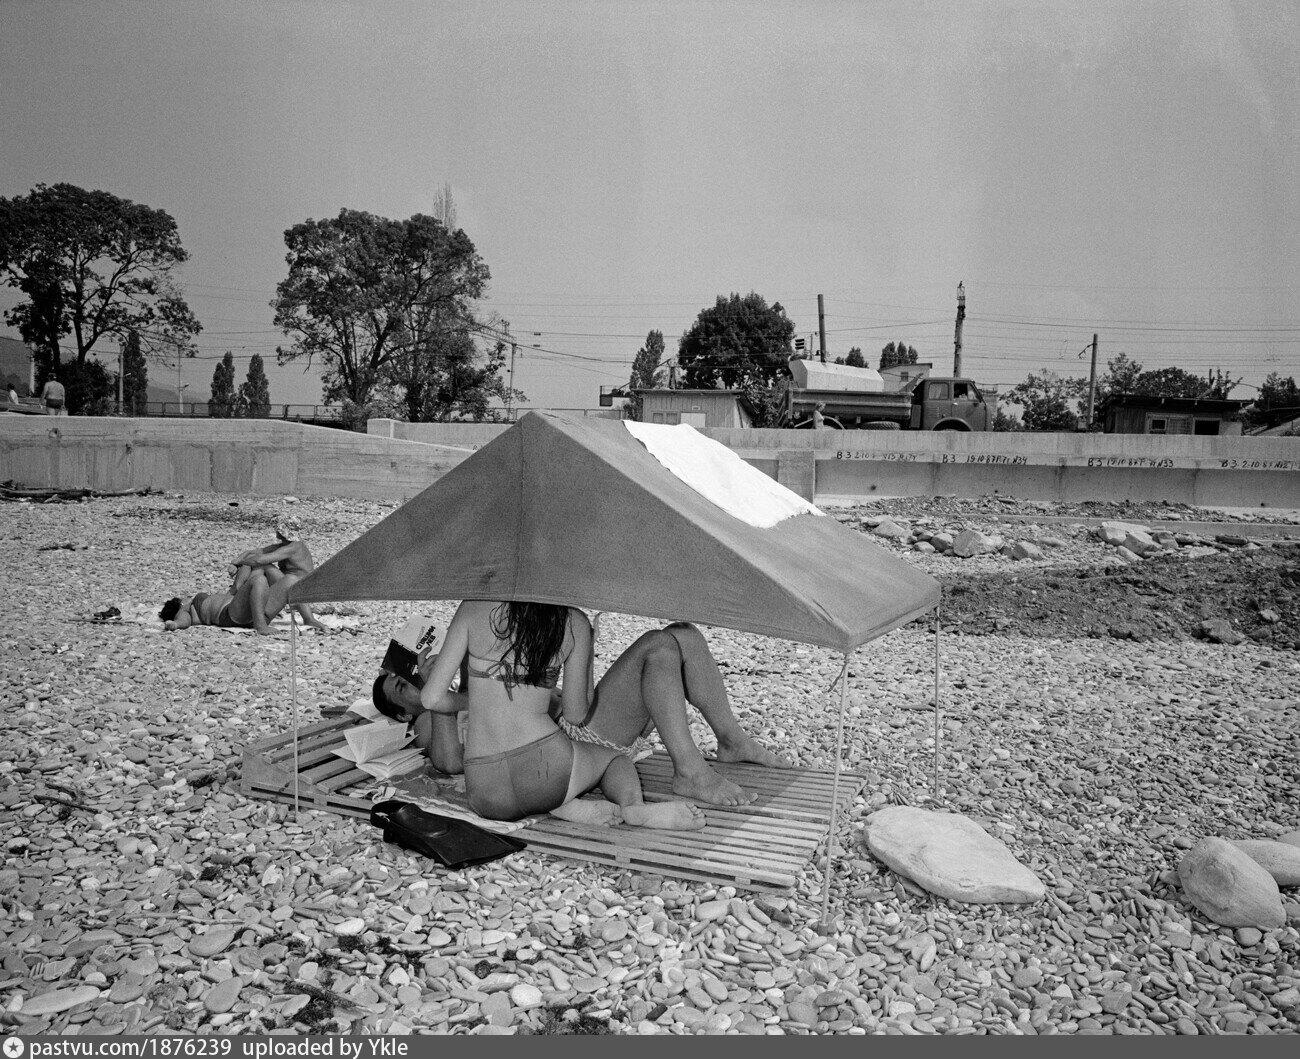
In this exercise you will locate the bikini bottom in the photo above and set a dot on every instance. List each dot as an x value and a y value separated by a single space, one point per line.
533 778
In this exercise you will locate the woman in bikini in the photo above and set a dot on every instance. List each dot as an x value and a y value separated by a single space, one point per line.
520 760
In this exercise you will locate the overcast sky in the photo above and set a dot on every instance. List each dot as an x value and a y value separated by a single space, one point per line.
1126 168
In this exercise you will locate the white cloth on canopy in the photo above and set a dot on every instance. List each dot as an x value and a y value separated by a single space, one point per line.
719 475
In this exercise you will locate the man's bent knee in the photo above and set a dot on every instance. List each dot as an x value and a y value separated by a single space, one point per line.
660 645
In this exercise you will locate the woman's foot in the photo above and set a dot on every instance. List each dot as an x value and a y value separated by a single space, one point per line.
747 748
708 787
589 811
668 816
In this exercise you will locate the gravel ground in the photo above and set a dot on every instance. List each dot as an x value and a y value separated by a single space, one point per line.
164 901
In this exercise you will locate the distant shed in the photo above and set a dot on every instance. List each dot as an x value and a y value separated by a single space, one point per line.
1200 416
704 409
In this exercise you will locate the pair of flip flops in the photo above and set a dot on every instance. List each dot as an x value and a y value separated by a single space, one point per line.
452 843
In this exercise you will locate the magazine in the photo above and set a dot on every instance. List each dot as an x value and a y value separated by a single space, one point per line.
410 649
381 748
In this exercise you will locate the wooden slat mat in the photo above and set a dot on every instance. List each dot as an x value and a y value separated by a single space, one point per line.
761 846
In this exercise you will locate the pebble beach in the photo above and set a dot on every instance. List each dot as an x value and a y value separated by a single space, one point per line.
142 892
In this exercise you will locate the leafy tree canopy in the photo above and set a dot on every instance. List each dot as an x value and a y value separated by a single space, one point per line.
450 378
735 342
363 289
91 264
1047 401
896 353
855 359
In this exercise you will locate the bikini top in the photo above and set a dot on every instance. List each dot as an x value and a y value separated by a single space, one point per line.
511 676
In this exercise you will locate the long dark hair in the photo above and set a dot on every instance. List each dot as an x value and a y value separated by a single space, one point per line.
535 634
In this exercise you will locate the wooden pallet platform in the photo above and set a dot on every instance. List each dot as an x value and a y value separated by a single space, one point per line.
763 846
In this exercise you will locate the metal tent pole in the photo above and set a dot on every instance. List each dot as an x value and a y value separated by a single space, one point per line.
293 695
934 781
835 790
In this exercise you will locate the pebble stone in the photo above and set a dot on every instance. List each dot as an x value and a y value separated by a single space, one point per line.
1098 762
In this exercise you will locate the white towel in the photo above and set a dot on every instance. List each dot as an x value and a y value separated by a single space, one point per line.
719 475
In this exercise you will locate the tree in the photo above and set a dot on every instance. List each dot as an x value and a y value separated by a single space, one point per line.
647 365
363 290
254 399
450 378
736 342
896 353
648 371
88 388
91 265
1046 401
135 377
221 405
1277 394
855 359
1121 377
767 400
1170 382
444 210
1003 421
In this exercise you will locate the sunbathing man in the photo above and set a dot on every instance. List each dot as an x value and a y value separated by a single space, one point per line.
262 579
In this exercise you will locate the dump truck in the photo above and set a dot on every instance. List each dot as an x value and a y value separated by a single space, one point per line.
906 397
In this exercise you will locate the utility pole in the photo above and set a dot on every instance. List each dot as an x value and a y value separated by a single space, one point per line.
510 396
1092 380
961 315
821 327
179 397
120 343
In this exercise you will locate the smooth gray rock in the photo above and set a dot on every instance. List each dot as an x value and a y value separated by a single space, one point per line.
971 542
888 528
1229 887
1280 859
1220 630
950 855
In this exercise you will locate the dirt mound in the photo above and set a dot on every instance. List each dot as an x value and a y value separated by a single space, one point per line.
1166 598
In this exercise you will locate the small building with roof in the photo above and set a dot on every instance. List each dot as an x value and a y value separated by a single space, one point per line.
1128 413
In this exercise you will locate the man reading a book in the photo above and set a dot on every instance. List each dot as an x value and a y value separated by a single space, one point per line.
437 734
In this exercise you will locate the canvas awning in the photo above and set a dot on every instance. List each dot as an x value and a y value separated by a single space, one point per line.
577 511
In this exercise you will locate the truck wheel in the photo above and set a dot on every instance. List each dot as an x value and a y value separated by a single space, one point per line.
880 424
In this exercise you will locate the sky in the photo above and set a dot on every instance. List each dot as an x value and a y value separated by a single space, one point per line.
1127 169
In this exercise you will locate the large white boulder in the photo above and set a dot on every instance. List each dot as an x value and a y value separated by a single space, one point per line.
1280 859
1229 887
950 855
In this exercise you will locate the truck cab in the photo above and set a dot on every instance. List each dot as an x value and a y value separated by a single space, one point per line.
952 404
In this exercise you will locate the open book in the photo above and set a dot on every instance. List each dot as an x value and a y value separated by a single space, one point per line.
381 748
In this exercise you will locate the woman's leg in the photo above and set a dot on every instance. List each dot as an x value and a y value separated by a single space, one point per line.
622 785
645 683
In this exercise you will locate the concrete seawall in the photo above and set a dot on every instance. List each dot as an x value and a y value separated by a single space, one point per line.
246 456
271 457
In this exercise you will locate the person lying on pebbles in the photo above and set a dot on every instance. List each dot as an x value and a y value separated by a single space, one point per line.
258 593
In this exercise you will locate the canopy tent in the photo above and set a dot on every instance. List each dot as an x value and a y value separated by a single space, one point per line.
672 526
578 511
